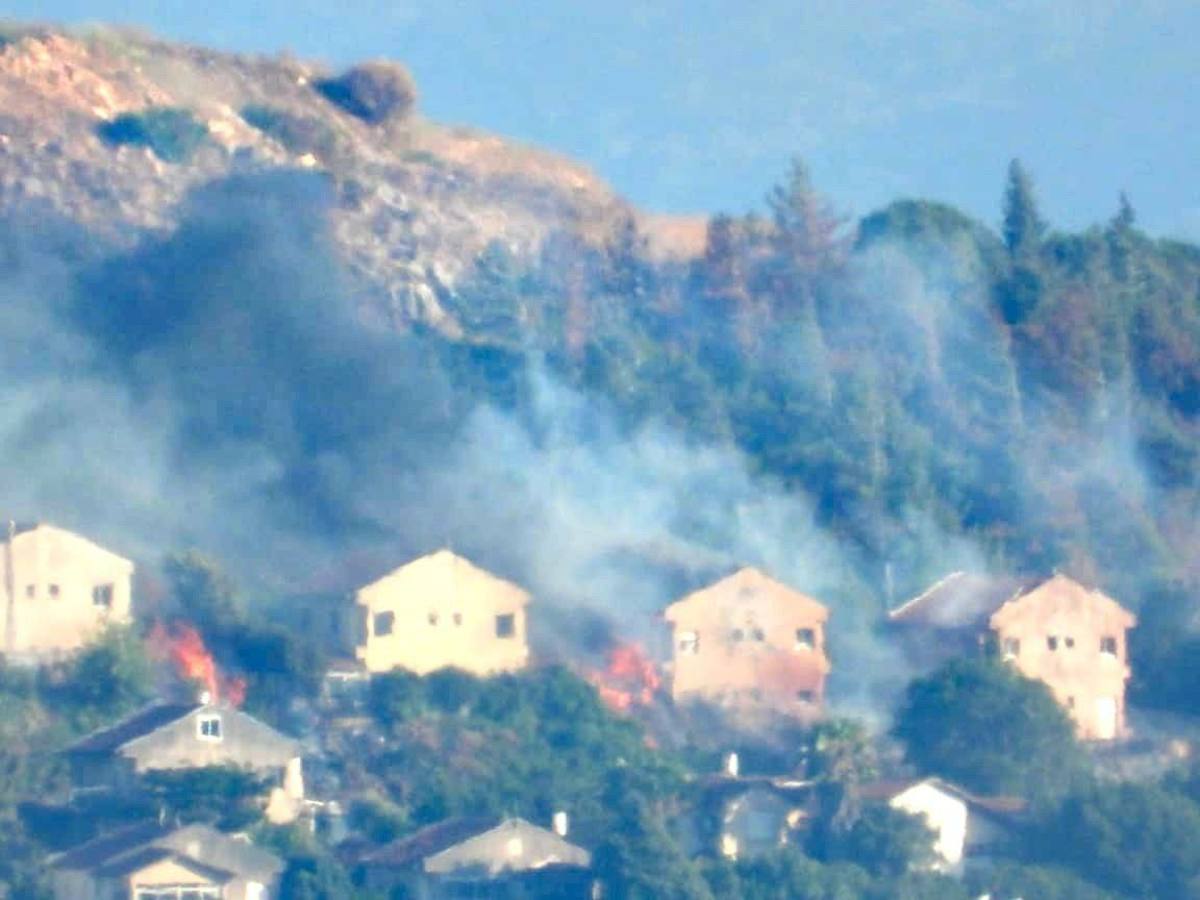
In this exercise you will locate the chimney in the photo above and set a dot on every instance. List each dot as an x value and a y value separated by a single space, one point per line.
204 698
561 823
731 765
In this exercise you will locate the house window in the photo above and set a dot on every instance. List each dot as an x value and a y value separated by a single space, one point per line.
30 590
458 618
738 634
806 639
102 595
1070 703
806 696
208 728
54 590
384 623
757 634
1108 645
1010 646
1052 642
506 625
433 618
689 642
1070 642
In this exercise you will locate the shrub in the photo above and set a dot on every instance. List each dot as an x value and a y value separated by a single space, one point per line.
173 134
297 134
374 92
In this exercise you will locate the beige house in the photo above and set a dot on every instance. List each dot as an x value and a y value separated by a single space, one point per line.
151 862
167 736
60 590
749 640
1073 639
437 611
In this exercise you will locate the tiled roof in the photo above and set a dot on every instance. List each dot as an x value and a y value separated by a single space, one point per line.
138 725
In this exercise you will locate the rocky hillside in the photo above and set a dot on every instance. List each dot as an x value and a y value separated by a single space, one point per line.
415 201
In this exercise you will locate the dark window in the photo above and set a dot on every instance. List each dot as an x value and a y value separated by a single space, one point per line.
102 595
1108 645
757 634
1052 642
806 639
1011 646
1070 703
54 590
30 590
738 634
506 625
689 642
806 696
209 727
433 618
458 618
1070 642
384 623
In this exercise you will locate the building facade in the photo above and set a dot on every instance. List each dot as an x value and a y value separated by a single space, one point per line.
60 590
749 640
437 611
1073 639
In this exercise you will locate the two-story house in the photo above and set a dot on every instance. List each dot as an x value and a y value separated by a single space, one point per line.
749 640
60 590
168 736
1059 632
437 611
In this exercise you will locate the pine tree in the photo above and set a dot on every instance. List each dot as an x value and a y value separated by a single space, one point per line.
1023 227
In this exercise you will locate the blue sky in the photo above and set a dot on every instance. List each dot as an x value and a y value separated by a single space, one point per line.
697 105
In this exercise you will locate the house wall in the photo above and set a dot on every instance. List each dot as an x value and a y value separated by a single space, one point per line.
1058 629
737 642
946 814
48 576
442 611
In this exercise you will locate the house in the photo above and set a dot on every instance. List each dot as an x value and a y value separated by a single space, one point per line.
60 591
1073 639
749 640
460 858
168 736
437 611
151 862
1070 637
968 830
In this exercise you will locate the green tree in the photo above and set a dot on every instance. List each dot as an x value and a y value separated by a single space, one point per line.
982 724
884 841
1023 227
109 678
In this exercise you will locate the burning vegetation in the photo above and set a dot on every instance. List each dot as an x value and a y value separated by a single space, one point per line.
184 646
629 679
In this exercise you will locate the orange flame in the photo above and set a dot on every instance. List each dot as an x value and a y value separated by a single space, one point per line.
185 647
629 679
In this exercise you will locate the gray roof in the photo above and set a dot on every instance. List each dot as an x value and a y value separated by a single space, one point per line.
139 724
201 846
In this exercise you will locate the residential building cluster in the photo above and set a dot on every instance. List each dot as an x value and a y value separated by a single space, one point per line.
748 643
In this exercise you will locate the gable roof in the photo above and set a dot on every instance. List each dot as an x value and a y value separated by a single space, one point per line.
196 846
75 542
445 570
747 583
960 600
478 842
138 724
135 729
996 806
1060 593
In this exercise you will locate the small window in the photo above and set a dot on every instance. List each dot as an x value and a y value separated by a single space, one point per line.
738 634
458 618
806 639
506 625
102 595
30 590
689 642
384 623
1070 642
1108 645
1010 647
433 618
806 696
1070 703
208 728
1052 642
54 590
757 634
